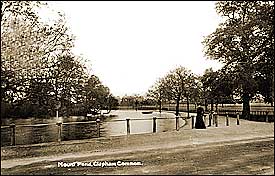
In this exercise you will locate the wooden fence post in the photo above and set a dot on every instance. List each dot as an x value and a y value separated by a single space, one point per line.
177 123
266 116
216 119
238 118
154 124
59 137
193 120
128 126
12 126
98 126
210 118
227 119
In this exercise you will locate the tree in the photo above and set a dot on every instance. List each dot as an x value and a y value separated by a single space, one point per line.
127 101
29 47
156 92
196 93
244 42
132 100
191 90
97 97
38 70
65 75
177 84
217 86
112 103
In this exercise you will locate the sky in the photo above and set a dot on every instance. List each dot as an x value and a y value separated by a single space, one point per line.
131 44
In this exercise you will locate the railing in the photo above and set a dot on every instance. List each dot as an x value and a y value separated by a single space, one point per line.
213 116
59 129
264 116
154 122
54 132
213 119
251 112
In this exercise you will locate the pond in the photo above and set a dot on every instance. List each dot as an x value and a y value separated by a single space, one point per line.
115 125
137 126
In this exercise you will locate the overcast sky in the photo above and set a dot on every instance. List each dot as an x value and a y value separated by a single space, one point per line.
130 44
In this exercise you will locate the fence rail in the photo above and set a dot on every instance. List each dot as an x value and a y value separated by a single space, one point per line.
59 128
235 112
264 116
12 129
53 132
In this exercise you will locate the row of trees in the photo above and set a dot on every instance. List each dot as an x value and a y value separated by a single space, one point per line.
136 101
178 84
39 73
244 43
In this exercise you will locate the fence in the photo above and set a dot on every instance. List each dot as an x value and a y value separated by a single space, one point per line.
91 129
51 132
262 116
213 119
62 131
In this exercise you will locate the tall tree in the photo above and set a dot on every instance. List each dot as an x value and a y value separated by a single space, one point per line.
97 97
177 84
196 92
156 92
244 42
218 87
37 67
64 76
28 46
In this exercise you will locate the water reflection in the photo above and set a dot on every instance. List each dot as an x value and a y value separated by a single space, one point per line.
109 127
144 125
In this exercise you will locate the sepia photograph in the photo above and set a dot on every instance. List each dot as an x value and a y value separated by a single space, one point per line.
137 87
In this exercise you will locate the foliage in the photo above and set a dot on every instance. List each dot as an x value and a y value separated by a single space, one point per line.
217 86
95 95
39 73
175 86
156 93
244 41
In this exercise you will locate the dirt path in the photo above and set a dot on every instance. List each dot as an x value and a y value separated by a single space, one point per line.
239 157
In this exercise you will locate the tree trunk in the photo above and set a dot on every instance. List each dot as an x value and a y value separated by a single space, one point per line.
205 104
187 106
160 106
246 106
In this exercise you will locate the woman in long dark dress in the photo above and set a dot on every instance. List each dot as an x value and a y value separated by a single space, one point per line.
199 119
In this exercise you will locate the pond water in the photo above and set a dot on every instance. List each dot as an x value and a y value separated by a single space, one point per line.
139 123
115 125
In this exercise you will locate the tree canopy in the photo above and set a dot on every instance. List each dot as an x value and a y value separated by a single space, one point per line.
39 71
175 86
244 42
